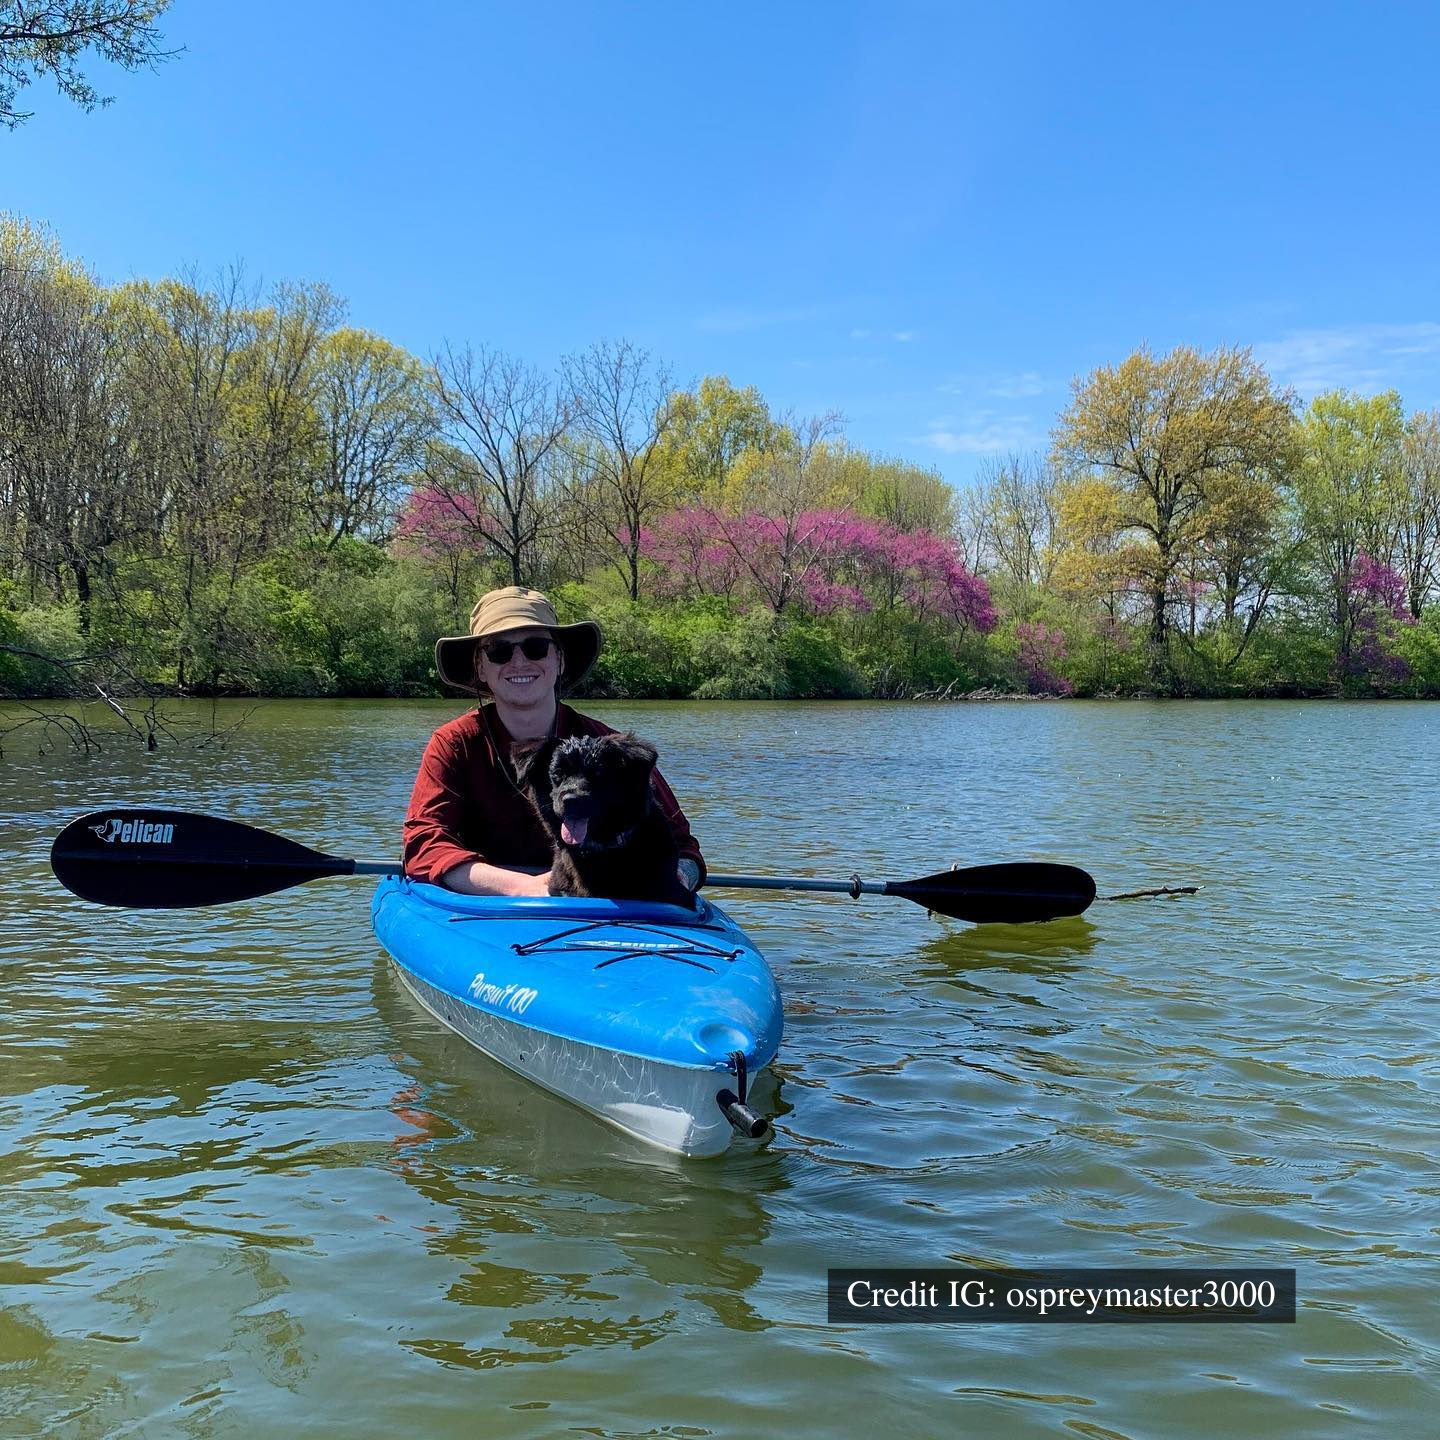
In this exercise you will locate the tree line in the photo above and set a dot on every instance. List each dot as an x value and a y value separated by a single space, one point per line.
207 489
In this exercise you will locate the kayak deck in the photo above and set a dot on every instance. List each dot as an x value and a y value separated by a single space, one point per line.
636 1012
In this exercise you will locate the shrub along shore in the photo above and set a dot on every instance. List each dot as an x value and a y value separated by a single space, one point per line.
205 490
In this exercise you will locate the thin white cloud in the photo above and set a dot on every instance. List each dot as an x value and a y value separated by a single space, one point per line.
1022 385
1355 357
733 320
983 432
863 332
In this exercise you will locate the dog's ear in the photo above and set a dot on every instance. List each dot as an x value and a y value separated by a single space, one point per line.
637 752
532 763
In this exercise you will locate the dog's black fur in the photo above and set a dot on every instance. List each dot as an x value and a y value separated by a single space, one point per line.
592 794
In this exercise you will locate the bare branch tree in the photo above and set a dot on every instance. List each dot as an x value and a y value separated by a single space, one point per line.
503 420
625 411
1014 513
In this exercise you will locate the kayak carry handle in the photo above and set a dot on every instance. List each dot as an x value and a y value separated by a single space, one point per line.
733 1106
741 1116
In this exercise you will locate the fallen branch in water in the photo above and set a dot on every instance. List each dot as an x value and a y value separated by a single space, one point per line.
153 725
1161 890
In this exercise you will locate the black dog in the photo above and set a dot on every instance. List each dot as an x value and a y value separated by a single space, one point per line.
592 793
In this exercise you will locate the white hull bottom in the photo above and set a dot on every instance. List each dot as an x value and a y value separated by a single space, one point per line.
673 1107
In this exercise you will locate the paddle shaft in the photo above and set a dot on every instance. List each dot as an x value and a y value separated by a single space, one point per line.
854 887
144 857
393 867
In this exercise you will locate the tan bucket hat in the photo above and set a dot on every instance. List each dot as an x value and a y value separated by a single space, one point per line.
515 608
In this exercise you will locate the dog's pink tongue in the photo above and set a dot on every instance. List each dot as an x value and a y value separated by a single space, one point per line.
572 832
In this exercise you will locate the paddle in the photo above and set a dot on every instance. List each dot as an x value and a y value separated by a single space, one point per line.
1010 894
171 859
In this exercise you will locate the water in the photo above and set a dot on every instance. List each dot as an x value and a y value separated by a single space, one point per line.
247 1189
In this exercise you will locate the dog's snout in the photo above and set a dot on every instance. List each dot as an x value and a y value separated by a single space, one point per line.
571 792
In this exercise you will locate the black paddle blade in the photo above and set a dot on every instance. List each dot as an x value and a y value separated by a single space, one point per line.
152 859
1001 894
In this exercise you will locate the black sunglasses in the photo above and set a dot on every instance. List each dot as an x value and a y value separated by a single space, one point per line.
533 647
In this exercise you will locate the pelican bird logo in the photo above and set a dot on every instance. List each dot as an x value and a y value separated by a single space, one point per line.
135 832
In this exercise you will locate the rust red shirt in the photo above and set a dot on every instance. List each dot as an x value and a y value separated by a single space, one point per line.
466 807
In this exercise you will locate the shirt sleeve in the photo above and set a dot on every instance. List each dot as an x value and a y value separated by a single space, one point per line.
679 826
434 823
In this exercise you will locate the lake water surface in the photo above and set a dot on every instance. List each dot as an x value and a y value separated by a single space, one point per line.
248 1189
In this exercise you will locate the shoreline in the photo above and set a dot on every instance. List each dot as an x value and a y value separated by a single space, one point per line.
985 695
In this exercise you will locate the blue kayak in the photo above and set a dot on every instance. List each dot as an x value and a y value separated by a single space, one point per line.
652 1017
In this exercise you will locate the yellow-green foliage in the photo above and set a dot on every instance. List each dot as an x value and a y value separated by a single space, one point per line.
215 488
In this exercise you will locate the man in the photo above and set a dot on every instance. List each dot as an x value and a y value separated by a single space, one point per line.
468 820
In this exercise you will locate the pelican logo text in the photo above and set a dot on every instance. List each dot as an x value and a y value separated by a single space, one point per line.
135 832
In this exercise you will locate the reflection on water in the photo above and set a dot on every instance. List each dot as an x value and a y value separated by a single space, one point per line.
501 1157
251 1189
1038 950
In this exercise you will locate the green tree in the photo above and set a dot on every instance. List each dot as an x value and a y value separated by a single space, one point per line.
72 437
1418 550
713 427
376 416
49 37
907 496
1161 432
224 391
67 432
1345 488
1244 551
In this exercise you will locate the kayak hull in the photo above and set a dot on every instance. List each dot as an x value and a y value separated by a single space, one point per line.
634 1012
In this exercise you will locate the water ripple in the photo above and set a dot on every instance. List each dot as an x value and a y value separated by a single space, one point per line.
251 1189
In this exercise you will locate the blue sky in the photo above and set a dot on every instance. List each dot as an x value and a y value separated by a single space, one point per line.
931 217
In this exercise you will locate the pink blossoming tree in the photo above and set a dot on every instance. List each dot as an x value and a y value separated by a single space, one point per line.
1042 650
819 562
443 528
1378 604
